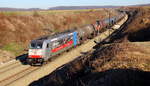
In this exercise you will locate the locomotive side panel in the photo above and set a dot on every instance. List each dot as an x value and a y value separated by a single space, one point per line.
46 49
64 43
58 46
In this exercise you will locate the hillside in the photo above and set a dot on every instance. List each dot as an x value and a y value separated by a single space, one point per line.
80 7
19 9
57 8
17 29
138 30
66 7
141 5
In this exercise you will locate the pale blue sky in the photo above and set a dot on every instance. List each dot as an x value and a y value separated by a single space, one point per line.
52 3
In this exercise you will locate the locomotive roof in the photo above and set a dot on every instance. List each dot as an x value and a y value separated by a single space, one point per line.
60 35
54 36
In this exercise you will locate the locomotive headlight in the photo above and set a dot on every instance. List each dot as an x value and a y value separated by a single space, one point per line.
40 60
29 60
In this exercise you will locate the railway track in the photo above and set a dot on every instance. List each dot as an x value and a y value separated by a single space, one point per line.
7 64
12 71
8 80
9 67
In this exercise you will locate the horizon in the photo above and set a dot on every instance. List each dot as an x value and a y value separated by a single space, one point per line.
49 4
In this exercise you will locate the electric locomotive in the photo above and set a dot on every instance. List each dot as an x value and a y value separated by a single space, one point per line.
42 49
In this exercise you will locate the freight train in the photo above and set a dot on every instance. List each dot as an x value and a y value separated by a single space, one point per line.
44 48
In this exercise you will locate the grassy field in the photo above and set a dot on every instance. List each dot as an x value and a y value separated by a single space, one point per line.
46 12
15 48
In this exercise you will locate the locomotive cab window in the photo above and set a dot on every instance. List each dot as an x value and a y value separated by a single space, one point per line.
32 45
39 45
36 45
98 22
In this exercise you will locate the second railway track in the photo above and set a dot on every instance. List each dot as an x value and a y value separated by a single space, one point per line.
18 75
9 67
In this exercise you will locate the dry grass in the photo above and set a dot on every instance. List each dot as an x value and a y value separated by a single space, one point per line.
45 12
21 27
126 55
142 20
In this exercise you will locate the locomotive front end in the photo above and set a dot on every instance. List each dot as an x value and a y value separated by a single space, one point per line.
35 53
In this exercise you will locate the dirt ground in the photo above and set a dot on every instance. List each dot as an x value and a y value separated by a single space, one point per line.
6 56
123 62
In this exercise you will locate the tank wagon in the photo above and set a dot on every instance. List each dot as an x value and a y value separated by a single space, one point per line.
44 48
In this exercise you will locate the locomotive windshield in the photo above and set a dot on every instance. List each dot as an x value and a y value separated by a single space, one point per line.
36 45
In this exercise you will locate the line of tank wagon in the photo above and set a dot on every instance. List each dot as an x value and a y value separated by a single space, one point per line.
44 48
